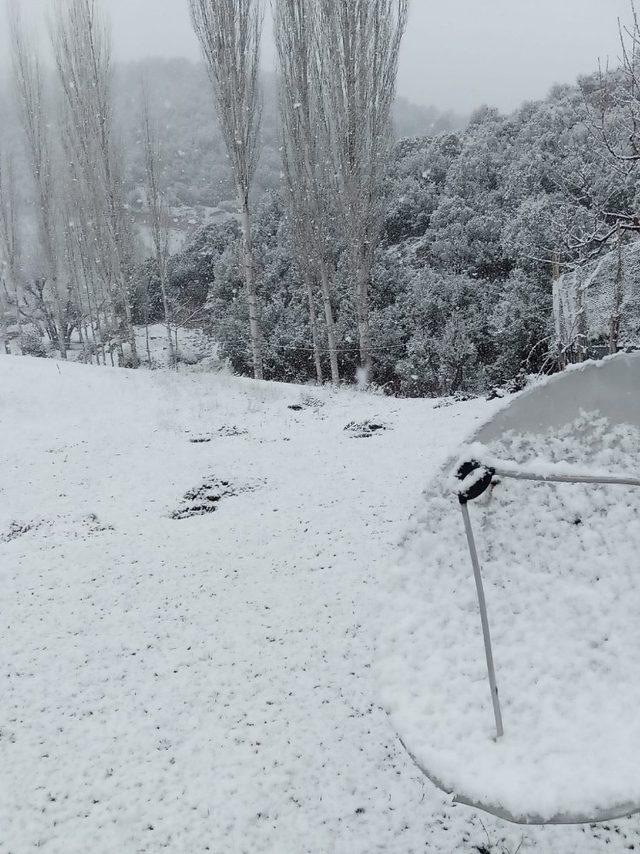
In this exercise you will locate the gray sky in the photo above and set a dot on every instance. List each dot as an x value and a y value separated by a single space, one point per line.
457 53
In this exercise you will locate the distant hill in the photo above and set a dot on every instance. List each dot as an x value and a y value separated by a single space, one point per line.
197 171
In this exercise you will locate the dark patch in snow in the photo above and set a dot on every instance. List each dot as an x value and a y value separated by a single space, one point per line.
224 431
94 524
19 529
458 397
233 431
306 402
204 499
512 386
74 527
366 429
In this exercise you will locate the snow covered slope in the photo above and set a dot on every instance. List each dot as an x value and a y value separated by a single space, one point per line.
203 683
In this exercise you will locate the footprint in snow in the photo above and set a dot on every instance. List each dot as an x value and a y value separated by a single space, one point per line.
366 429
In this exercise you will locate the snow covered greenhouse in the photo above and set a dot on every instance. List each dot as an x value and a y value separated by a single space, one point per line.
597 306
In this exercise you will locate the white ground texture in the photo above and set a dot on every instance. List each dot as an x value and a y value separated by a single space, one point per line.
206 683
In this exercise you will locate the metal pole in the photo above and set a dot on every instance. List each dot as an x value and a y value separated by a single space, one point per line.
518 474
483 617
475 491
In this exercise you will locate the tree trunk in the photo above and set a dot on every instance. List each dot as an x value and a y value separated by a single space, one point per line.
364 329
313 322
18 317
581 323
4 335
331 326
172 352
131 333
146 323
618 296
250 285
57 306
94 323
167 318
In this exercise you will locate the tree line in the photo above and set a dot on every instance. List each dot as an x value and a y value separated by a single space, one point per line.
476 226
424 265
338 66
82 277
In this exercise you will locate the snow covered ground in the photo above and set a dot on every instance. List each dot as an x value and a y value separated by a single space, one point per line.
204 683
196 350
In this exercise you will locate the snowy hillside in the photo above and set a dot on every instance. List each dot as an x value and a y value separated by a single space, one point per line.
192 569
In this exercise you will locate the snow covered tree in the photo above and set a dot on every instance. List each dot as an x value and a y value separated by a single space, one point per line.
158 220
82 50
359 45
9 254
305 161
30 92
95 301
229 32
613 104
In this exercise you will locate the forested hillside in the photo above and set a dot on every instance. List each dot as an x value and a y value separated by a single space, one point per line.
315 231
475 222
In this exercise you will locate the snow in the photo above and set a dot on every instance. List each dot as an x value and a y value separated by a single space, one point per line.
207 683
536 468
561 577
196 350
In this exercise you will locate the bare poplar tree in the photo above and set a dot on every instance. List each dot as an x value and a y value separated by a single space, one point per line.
305 160
229 32
4 318
82 272
359 49
86 238
81 284
82 49
158 218
9 247
29 86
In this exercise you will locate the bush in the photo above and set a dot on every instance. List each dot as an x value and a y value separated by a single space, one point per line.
33 345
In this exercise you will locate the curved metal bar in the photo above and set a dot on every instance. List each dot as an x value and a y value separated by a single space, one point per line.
515 474
613 480
497 712
616 811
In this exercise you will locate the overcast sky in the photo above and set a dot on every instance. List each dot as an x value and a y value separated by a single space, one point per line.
457 53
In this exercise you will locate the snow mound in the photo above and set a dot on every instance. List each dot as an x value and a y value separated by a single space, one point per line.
560 565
